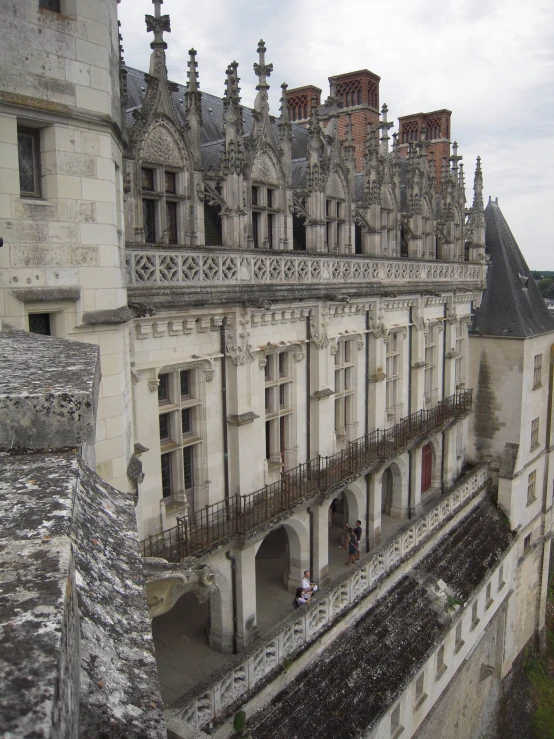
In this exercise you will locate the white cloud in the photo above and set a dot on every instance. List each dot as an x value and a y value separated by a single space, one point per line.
489 61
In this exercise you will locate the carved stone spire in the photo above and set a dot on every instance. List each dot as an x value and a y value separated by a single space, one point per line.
193 101
455 158
261 69
232 122
158 23
384 125
285 132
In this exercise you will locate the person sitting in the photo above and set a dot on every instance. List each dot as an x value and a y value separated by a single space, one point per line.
301 598
306 585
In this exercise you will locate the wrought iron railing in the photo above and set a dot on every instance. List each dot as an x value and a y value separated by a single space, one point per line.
241 514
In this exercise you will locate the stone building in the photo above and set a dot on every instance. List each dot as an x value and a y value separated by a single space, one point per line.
282 306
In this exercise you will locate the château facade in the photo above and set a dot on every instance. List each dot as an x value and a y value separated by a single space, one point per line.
282 304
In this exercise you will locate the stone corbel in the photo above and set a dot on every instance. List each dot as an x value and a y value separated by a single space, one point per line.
452 354
378 376
153 384
298 355
325 392
241 419
419 365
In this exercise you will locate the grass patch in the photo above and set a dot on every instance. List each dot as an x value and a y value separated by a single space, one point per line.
540 671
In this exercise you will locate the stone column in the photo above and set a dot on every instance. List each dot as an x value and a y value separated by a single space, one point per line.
320 543
415 481
374 482
245 559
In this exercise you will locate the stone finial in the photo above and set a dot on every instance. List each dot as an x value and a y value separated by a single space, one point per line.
455 158
157 23
192 73
285 111
261 69
384 125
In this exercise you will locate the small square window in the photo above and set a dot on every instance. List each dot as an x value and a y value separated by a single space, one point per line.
163 389
147 179
474 615
170 182
527 544
164 428
50 5
186 421
534 434
28 148
149 220
185 384
501 582
39 323
531 487
459 642
537 371
188 467
441 667
166 475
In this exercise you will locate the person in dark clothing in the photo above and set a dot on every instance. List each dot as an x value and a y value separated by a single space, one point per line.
358 532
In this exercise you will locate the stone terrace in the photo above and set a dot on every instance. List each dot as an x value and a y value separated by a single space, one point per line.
366 668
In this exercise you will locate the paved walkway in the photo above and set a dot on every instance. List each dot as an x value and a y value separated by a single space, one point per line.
183 655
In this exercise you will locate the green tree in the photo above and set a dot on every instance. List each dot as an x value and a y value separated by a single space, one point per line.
545 286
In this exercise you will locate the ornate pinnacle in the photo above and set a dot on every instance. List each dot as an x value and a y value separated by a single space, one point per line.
285 116
192 73
262 70
157 23
455 158
384 125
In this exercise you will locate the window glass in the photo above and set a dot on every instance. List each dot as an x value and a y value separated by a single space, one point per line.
39 323
28 153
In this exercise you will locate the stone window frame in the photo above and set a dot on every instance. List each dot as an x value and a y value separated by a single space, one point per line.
179 443
393 382
161 198
441 665
475 620
537 371
396 727
34 135
420 694
279 406
532 487
458 636
335 225
345 383
535 424
265 209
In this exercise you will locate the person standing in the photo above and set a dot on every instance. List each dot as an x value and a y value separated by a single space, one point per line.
352 547
358 532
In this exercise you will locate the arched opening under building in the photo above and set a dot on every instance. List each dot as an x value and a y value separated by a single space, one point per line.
273 577
394 508
183 654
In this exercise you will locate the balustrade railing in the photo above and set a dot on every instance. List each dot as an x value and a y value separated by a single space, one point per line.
244 674
241 514
190 266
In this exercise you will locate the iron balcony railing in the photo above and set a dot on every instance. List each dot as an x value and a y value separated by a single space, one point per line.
241 514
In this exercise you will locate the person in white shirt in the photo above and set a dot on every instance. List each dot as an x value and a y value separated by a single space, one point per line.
306 585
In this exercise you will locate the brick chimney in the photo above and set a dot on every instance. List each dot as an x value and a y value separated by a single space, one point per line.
437 134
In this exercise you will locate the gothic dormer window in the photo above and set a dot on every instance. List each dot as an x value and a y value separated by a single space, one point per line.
265 209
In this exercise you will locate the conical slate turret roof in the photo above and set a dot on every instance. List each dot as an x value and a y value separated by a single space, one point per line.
512 304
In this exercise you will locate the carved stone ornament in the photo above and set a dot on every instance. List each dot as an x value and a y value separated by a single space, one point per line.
241 419
237 345
153 385
263 170
298 356
262 360
160 147
325 392
335 187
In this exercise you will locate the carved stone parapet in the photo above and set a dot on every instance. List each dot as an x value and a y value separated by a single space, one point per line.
241 419
325 392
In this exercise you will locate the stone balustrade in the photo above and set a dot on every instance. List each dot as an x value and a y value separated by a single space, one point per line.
157 267
214 697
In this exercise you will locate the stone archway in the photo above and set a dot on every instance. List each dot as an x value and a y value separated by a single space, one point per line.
394 486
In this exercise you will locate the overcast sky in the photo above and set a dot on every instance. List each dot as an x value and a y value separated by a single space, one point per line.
489 61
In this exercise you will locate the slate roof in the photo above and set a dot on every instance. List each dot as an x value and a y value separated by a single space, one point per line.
212 115
362 672
512 304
